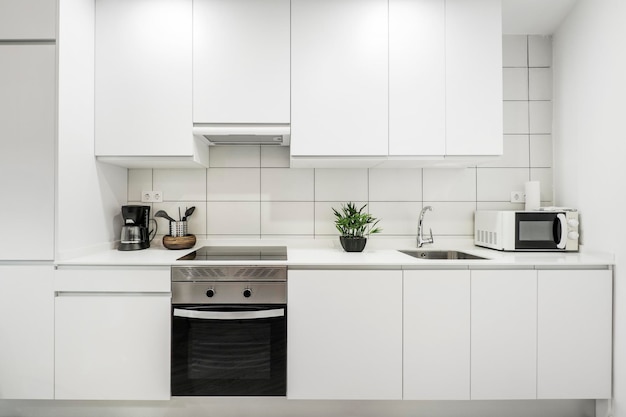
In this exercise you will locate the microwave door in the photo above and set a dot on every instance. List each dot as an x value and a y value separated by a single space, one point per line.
538 231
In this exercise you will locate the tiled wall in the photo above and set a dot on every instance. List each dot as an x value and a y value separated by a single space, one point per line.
249 192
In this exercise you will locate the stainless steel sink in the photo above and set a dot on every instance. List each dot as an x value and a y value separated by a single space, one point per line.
440 254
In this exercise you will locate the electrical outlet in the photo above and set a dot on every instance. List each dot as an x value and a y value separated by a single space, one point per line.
518 197
151 197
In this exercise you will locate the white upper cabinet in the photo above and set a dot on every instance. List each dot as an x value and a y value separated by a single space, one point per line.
473 77
28 19
417 83
575 334
27 150
143 82
339 78
241 61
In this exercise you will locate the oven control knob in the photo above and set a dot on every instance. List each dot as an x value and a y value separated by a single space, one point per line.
572 222
210 292
247 292
573 235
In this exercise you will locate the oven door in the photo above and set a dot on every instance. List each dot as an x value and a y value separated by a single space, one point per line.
229 350
540 231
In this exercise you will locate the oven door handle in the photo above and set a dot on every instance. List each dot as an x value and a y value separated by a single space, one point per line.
229 315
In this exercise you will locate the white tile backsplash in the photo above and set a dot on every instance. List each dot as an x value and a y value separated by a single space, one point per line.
233 184
515 83
539 51
180 184
395 184
515 117
514 51
284 184
341 185
250 191
233 218
234 156
450 184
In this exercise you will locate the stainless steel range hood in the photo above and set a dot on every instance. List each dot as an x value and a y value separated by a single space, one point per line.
244 134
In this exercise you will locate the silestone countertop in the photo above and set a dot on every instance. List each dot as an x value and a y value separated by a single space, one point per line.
326 253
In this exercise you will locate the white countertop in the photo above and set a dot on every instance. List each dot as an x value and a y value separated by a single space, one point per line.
325 253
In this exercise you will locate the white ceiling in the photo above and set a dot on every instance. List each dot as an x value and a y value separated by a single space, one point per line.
534 17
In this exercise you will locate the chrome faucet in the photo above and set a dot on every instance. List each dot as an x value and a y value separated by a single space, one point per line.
420 229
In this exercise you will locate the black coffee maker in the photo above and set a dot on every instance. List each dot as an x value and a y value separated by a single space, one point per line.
135 232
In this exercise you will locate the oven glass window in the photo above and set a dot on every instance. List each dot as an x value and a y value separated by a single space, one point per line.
536 231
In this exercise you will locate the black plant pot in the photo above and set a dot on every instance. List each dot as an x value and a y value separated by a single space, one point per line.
353 244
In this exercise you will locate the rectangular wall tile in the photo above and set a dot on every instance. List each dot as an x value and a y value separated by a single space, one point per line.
539 51
515 117
180 184
540 117
233 218
515 83
449 218
341 185
516 153
138 180
540 84
498 205
287 218
514 51
541 151
450 184
233 184
395 184
496 184
398 218
234 156
284 184
275 157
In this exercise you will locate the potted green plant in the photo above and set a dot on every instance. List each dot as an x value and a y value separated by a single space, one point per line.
354 225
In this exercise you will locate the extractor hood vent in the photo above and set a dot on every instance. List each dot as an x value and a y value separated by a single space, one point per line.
243 134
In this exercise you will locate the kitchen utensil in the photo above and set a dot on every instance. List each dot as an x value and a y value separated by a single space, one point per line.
178 229
189 212
163 214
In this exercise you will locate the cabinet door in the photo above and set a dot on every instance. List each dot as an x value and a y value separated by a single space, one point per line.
27 150
504 334
28 19
241 61
339 78
473 77
417 89
575 328
436 335
143 78
112 346
344 335
27 329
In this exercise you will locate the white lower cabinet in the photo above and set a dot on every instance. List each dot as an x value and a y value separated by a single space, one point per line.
504 334
575 334
26 332
436 335
344 334
112 334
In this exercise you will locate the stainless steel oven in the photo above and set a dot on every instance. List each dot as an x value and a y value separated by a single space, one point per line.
229 330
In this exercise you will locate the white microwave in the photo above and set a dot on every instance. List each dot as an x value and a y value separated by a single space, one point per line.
543 230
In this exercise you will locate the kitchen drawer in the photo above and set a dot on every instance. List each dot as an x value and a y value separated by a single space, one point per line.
112 279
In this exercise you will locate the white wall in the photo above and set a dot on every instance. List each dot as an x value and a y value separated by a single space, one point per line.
590 149
249 192
89 193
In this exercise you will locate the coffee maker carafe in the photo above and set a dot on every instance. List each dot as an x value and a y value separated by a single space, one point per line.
135 232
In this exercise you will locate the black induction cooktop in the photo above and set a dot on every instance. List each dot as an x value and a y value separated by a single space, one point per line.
237 253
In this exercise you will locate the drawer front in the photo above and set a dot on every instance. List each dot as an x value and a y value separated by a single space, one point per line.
112 279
